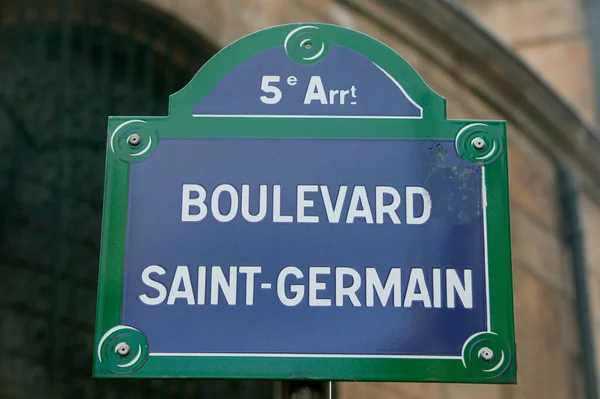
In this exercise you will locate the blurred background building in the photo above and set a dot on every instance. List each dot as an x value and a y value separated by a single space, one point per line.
65 65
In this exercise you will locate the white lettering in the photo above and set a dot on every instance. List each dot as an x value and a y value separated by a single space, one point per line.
454 285
332 94
162 290
267 87
292 80
314 286
392 283
410 212
350 291
187 202
303 203
201 295
182 276
277 216
359 198
387 200
315 91
250 271
342 289
343 95
262 200
334 213
214 204
416 281
219 281
297 289
437 288
381 209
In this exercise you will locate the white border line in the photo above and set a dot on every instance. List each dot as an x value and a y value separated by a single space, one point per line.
297 355
304 116
485 246
413 102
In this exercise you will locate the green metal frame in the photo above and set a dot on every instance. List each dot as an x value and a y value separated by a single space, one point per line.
433 126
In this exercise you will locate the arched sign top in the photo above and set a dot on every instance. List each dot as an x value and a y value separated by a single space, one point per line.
308 71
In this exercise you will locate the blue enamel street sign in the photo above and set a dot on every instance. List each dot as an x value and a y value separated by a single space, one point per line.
306 211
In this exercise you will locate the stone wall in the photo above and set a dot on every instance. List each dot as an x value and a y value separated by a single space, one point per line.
551 37
548 35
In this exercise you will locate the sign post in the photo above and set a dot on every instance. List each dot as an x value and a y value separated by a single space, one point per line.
302 389
306 212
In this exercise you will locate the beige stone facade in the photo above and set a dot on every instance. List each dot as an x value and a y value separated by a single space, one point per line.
551 36
479 83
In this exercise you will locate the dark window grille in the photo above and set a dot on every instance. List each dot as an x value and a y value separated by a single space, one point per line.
65 65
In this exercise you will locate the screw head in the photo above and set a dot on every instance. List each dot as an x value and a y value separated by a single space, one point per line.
134 139
486 354
478 143
123 349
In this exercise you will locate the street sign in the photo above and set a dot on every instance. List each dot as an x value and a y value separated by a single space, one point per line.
306 211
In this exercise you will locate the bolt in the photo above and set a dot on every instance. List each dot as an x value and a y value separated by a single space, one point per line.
134 139
478 143
123 349
486 354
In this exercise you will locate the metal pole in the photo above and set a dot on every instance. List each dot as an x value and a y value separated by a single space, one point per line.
575 240
302 389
